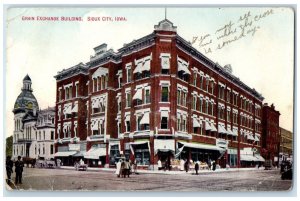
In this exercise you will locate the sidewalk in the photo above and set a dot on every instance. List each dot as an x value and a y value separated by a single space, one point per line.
94 169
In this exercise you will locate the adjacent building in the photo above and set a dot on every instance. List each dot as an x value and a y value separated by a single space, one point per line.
286 145
33 135
157 97
270 137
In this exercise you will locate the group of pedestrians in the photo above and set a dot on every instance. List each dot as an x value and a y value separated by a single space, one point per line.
124 168
18 169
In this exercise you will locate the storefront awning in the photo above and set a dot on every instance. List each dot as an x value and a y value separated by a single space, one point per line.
164 145
213 128
256 138
133 144
260 158
64 153
145 119
196 123
137 95
95 153
244 157
201 146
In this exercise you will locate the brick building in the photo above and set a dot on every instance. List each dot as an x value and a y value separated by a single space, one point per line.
286 144
270 137
156 98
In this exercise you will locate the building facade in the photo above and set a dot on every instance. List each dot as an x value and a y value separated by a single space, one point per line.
270 137
156 98
286 145
33 128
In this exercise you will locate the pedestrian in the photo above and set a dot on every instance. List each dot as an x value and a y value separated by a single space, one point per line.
19 170
214 165
181 165
209 164
118 171
159 164
197 167
135 166
9 168
186 165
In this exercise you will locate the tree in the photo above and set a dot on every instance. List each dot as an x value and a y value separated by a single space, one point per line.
9 145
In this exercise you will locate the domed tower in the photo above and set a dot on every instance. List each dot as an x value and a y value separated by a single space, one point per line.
25 116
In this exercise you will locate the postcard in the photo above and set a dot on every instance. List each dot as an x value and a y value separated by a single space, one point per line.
149 99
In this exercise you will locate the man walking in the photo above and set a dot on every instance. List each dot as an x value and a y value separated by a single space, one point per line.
19 170
9 168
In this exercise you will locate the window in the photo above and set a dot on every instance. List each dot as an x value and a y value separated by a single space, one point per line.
127 126
147 96
201 105
165 94
51 149
201 82
142 156
67 93
228 96
164 123
178 124
212 108
128 100
195 79
60 95
52 135
184 125
184 99
206 107
228 116
139 126
178 97
44 135
194 102
128 72
119 82
165 71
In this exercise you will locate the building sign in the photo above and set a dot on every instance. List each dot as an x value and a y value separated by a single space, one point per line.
74 147
222 143
127 146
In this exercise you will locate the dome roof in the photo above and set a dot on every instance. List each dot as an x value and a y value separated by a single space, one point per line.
25 101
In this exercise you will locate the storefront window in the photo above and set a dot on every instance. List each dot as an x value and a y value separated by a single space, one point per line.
114 153
142 156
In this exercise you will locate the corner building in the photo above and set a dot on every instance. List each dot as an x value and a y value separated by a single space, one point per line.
156 98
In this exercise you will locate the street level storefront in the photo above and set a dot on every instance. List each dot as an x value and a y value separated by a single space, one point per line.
249 157
70 153
199 152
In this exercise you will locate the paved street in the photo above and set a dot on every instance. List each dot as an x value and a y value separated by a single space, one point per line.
63 179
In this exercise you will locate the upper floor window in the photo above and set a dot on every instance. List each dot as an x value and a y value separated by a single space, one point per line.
165 94
165 63
128 99
128 73
147 96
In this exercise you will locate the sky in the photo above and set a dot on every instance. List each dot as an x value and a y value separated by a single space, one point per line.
263 58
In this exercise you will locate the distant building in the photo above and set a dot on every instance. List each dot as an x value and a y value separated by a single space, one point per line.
156 98
33 128
286 145
270 137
